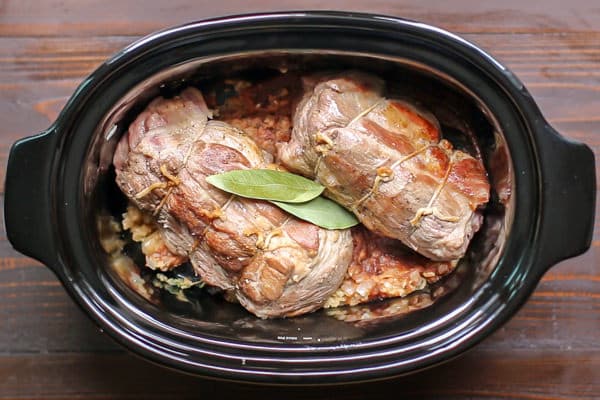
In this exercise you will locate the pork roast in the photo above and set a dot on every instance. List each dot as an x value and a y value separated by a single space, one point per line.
383 159
275 264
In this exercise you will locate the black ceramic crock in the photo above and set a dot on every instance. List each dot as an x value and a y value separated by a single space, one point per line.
59 181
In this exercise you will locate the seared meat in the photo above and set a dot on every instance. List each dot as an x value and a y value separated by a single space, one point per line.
384 160
275 264
382 268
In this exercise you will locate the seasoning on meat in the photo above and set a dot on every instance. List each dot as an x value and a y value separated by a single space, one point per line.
275 265
384 160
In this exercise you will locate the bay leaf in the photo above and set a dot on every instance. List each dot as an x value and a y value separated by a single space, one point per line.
267 184
322 212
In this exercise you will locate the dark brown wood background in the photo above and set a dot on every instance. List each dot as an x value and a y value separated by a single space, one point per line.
49 349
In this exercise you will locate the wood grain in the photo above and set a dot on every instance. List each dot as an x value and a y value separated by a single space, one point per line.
49 349
476 375
138 17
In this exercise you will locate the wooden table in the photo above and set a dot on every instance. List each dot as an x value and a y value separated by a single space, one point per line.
49 349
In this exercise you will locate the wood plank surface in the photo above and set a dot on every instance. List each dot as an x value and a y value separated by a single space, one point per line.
110 376
49 349
138 17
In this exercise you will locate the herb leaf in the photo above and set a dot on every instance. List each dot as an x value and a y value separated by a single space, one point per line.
266 184
290 192
322 212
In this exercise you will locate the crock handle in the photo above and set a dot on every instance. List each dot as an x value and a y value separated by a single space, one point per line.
569 197
27 196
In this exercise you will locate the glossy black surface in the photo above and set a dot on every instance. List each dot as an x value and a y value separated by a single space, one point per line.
551 182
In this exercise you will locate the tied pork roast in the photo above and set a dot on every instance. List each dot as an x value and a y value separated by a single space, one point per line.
274 264
385 160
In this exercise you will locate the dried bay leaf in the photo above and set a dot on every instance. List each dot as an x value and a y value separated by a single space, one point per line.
321 212
290 192
266 184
